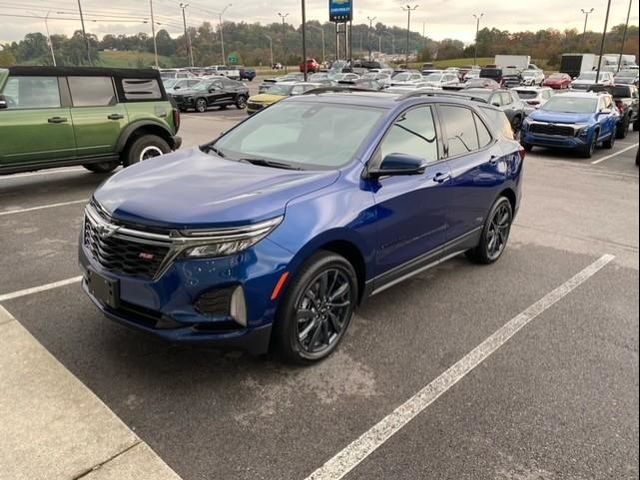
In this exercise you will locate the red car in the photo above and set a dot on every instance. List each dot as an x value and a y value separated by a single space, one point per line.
312 66
558 81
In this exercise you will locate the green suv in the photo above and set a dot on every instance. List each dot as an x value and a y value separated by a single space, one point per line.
96 117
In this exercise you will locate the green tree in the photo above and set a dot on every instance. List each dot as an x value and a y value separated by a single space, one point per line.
7 58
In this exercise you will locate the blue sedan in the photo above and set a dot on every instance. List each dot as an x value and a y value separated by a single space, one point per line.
274 233
576 121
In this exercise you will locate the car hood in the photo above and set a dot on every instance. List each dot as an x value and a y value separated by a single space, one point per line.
191 189
266 98
559 117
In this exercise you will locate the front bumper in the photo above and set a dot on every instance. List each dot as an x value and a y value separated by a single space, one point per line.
554 141
166 307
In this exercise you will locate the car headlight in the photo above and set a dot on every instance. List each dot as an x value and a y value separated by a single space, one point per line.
223 242
581 130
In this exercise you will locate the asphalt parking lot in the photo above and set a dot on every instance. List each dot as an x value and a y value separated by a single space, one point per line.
557 400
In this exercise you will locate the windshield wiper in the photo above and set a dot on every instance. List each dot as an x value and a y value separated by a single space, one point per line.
210 148
268 163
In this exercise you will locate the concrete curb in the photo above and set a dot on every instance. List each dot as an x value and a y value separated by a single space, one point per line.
53 426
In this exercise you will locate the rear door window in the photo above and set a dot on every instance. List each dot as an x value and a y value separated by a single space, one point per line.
92 91
460 129
32 92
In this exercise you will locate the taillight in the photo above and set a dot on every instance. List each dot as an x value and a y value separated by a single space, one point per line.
176 119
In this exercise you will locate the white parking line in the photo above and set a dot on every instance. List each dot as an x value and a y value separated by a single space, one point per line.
43 172
42 207
600 160
346 460
41 288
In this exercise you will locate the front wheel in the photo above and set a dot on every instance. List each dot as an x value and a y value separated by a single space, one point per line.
241 102
495 233
610 142
145 148
623 127
317 309
589 149
201 105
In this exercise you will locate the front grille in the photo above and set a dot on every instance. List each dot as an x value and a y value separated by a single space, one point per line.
550 129
125 255
254 106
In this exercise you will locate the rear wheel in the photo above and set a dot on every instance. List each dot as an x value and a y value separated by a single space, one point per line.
636 124
104 167
610 142
623 127
317 309
201 105
241 102
495 233
145 148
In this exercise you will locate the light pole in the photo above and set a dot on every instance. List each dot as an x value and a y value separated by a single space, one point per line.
53 55
604 34
187 35
270 48
475 50
624 36
586 17
153 33
221 33
84 33
284 16
409 9
321 30
304 40
371 19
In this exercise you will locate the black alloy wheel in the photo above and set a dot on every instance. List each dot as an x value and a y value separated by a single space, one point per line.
201 105
495 233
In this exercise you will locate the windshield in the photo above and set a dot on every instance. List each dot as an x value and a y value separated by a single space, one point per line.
402 77
556 76
305 135
484 94
590 76
169 83
529 73
527 94
279 90
433 77
566 104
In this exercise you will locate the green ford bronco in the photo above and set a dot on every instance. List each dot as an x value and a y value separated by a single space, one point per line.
96 117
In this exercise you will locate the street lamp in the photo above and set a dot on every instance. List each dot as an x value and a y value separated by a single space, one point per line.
184 6
371 19
270 48
624 36
284 16
304 40
84 33
604 35
321 30
221 33
153 33
586 17
409 9
475 50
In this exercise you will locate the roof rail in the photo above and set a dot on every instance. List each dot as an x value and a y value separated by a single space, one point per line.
439 93
337 89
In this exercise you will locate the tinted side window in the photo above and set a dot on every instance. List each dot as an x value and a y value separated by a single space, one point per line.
143 89
499 121
460 128
92 91
506 98
484 137
413 133
32 92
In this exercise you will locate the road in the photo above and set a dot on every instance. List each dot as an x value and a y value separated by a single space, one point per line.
557 400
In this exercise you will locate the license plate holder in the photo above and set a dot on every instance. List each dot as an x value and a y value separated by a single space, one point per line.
104 290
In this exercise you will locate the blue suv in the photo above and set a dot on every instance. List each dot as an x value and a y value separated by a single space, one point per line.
272 234
577 121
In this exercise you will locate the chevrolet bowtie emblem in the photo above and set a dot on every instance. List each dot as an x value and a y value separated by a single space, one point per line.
106 231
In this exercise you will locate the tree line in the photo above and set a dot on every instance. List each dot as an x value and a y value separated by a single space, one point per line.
251 43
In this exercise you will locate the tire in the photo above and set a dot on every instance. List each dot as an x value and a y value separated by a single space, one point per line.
104 167
241 102
527 147
516 123
623 127
636 124
305 331
610 142
499 220
144 148
587 151
200 105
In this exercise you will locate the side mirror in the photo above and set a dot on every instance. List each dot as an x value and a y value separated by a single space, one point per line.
176 88
495 104
605 111
3 102
398 164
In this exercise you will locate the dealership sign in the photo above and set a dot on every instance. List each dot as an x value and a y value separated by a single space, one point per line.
340 10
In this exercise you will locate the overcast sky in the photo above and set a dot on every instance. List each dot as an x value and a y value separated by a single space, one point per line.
441 18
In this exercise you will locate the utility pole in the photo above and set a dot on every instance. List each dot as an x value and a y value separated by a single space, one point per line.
153 33
408 9
187 35
224 58
586 17
624 36
284 16
604 34
371 19
321 30
475 50
53 55
270 48
304 40
84 33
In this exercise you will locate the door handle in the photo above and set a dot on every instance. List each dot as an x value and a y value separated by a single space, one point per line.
57 120
115 116
442 177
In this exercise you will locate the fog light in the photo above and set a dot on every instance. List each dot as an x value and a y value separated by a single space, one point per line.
238 308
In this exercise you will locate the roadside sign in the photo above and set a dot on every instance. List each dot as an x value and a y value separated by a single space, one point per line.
232 58
340 10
